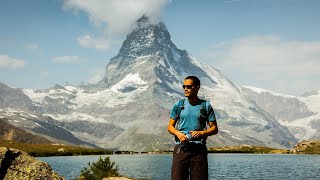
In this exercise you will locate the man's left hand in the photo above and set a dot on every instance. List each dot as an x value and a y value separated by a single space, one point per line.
196 134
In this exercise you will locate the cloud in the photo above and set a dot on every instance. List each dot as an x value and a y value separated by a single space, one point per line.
96 75
117 16
269 61
88 41
66 59
44 75
32 46
7 62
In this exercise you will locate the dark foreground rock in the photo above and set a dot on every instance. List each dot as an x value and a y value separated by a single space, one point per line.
16 164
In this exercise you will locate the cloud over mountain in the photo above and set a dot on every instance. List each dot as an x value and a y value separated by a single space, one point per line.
114 17
297 61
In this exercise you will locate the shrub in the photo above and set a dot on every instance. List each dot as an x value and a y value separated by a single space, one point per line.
100 169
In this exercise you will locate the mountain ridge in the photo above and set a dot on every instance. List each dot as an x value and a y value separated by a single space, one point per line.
299 113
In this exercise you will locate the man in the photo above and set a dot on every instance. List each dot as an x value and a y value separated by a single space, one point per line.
188 120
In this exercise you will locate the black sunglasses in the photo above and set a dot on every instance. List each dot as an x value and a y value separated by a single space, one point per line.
187 86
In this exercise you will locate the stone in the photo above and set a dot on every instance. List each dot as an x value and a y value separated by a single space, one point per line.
16 164
116 178
306 147
62 150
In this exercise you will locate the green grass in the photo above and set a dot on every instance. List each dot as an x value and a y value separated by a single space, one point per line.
245 149
40 150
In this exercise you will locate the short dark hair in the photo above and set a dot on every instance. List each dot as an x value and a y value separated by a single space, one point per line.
195 80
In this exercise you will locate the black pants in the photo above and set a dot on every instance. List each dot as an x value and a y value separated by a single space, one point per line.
190 160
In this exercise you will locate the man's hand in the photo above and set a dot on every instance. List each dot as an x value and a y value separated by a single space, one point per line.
196 134
205 133
182 137
171 128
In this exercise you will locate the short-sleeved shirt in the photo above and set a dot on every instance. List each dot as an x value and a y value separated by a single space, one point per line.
190 116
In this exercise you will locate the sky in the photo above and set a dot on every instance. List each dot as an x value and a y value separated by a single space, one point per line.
269 44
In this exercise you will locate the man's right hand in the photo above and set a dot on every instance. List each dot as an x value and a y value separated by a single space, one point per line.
171 128
182 137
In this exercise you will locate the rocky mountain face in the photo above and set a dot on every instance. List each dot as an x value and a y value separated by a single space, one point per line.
129 109
11 133
15 98
23 119
300 114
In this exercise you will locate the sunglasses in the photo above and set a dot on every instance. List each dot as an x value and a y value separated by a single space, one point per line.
187 86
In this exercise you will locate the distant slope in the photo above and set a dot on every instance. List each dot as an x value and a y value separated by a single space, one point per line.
301 115
9 132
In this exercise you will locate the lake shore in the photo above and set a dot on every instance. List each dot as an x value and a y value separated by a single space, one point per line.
43 150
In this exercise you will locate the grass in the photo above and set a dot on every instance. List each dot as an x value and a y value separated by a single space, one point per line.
41 150
246 149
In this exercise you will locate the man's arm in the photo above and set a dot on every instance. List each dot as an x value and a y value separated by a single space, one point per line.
171 129
208 132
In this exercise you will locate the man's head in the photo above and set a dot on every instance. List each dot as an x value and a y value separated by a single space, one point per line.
191 86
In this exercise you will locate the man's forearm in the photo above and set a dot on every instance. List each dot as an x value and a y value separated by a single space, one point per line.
209 132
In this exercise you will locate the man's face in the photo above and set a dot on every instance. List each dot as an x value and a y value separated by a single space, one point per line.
189 88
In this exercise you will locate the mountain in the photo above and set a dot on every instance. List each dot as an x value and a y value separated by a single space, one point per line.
129 108
9 132
301 114
28 117
16 99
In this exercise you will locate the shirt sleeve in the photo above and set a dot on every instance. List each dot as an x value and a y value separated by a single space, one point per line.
210 111
174 111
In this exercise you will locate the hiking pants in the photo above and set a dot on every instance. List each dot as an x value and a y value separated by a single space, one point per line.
190 160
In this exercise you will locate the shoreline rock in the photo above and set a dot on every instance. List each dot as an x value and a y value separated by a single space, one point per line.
16 164
306 147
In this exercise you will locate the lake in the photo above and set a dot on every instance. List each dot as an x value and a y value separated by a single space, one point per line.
221 166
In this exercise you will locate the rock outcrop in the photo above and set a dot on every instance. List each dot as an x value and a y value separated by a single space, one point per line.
16 164
306 147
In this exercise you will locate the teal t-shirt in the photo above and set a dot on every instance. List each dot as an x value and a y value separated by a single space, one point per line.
190 116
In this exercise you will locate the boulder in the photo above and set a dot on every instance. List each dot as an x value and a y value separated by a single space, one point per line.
306 147
116 178
16 164
62 150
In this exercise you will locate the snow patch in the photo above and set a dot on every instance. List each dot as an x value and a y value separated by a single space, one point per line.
31 115
76 117
131 81
53 93
143 59
260 90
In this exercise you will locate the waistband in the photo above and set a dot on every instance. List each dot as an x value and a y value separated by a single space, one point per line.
190 147
192 142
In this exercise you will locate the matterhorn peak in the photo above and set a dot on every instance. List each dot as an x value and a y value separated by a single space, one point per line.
145 38
149 52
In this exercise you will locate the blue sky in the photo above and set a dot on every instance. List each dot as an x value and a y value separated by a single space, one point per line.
269 44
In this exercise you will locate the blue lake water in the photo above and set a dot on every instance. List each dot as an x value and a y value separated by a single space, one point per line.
221 166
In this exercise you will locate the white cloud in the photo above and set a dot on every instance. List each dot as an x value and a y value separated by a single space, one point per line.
66 59
88 41
270 62
114 17
97 75
44 75
118 16
32 46
7 62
